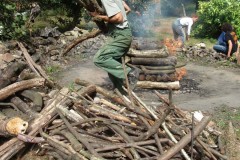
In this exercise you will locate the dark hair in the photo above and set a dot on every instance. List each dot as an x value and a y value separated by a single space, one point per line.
227 27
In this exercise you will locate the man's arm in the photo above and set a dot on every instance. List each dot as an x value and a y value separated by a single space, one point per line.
126 7
230 45
117 18
237 52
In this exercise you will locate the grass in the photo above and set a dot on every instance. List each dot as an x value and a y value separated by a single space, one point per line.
52 69
224 114
209 42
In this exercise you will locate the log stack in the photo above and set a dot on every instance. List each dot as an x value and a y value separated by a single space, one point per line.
159 69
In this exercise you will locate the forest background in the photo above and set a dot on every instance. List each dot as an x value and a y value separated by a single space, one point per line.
66 14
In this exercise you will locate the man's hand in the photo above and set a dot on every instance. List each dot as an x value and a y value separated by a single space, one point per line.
94 14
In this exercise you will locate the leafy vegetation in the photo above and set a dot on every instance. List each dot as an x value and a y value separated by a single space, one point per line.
68 14
213 13
12 21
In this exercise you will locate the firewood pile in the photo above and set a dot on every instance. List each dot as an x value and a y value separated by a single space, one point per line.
93 123
159 69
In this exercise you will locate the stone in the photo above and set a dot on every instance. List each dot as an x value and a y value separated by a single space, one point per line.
7 57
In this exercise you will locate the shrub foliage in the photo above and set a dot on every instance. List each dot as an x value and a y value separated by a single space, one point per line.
213 13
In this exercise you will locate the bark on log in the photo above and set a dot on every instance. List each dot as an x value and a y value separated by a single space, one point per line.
169 61
10 74
18 86
186 139
161 53
160 85
92 34
12 126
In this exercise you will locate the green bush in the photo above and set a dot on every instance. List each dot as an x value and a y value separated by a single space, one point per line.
213 13
12 22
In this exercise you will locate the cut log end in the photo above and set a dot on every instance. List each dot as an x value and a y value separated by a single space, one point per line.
13 126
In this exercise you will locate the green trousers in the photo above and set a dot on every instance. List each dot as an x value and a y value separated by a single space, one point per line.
109 56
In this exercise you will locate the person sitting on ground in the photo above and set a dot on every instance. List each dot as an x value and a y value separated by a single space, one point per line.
221 45
230 41
180 24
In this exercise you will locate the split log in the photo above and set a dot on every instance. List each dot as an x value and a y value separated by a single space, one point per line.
18 86
110 105
12 126
186 139
92 34
10 74
161 53
160 85
169 61
70 115
35 97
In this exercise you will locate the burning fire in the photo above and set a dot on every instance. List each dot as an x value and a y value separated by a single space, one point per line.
172 45
181 72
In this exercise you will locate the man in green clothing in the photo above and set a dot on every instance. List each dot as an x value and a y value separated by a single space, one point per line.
109 56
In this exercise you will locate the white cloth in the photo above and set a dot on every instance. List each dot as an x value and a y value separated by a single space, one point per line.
113 7
187 22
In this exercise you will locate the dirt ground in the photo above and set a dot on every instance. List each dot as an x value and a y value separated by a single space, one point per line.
214 87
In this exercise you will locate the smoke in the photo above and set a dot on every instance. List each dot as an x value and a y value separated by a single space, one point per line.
142 18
